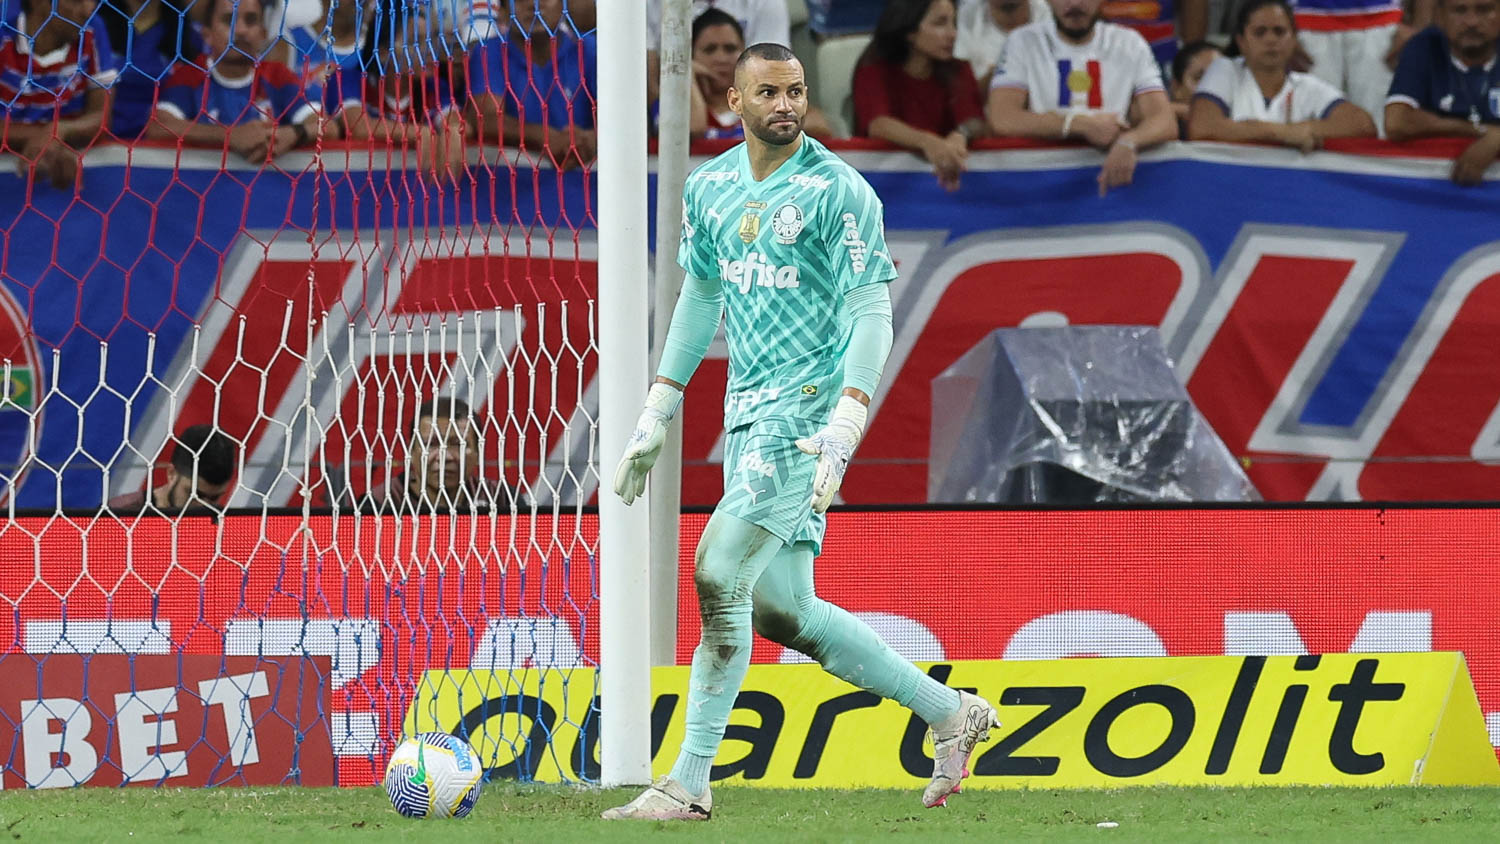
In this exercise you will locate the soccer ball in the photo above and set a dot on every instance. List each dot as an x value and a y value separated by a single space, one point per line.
434 775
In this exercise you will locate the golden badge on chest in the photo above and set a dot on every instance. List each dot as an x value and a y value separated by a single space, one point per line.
750 221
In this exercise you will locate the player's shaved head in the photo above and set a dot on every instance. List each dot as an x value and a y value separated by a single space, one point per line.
765 51
769 94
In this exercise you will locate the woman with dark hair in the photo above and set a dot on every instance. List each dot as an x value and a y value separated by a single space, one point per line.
1254 97
717 43
911 91
149 37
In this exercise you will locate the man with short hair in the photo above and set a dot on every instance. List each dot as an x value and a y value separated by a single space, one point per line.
1448 84
786 238
1076 76
202 467
442 467
257 108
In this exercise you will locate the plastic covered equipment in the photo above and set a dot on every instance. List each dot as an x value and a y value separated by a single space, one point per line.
1072 415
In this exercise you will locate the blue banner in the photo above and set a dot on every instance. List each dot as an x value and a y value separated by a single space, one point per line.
1325 275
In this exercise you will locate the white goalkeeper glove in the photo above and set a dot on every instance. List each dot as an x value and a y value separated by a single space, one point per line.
645 443
834 444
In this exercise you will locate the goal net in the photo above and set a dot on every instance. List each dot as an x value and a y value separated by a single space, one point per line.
299 411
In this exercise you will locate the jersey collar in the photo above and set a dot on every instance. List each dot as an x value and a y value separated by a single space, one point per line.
780 173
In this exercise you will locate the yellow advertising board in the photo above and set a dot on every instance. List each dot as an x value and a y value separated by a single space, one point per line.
1340 719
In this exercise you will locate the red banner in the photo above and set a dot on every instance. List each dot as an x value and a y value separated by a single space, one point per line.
384 599
115 719
1041 584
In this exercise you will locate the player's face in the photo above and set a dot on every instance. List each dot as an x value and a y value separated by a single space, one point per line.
771 99
1075 18
717 49
445 451
1268 40
1471 26
1182 89
236 32
935 35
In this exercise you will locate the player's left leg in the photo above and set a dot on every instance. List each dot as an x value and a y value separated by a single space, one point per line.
789 612
731 555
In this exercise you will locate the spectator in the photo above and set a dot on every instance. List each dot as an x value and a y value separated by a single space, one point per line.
199 475
1164 23
760 21
442 467
717 43
402 96
1075 76
1187 71
1353 44
983 26
150 36
1446 84
56 66
1254 97
536 86
259 109
911 91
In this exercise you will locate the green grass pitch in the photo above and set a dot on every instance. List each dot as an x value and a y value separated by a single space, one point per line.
528 813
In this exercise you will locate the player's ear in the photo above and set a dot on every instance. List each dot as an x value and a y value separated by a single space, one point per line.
736 102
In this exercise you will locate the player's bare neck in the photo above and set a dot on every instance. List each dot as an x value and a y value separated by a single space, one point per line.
766 158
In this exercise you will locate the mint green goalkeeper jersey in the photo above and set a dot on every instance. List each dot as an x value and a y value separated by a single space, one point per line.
785 250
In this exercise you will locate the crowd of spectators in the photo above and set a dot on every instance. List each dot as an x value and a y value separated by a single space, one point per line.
259 79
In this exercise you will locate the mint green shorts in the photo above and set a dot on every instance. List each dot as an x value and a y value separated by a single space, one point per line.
768 480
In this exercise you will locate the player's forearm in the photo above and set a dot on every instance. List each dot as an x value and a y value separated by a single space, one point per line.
869 309
695 321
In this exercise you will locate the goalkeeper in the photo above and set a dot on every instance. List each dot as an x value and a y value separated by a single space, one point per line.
786 239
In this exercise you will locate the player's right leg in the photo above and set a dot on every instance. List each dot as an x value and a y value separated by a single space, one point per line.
789 612
731 556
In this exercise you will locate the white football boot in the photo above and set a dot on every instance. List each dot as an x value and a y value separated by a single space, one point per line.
953 741
664 800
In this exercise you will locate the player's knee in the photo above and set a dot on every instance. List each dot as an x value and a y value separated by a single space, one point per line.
715 583
776 623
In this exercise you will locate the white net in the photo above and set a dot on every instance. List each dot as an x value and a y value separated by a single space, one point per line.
292 445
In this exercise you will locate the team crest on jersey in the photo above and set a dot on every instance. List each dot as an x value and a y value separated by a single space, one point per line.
787 223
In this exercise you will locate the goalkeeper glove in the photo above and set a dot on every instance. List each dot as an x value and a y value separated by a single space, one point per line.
645 443
834 444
